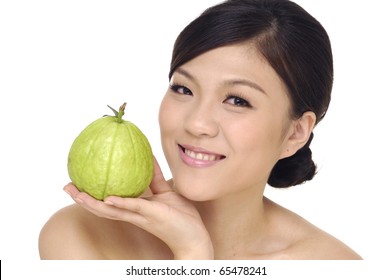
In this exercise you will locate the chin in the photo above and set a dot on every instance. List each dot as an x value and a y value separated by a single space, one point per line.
195 190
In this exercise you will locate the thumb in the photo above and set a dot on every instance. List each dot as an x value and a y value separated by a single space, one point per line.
158 184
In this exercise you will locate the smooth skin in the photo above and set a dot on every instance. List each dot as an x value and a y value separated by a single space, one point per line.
225 121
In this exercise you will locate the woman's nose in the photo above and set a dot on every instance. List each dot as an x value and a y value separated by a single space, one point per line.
201 121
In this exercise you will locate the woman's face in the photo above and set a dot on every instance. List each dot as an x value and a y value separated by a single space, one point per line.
224 123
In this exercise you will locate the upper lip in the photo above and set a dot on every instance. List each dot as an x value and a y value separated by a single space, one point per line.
200 150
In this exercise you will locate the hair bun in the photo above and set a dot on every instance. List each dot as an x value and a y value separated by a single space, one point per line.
293 170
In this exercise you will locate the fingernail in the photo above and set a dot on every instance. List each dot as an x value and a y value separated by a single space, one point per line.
67 191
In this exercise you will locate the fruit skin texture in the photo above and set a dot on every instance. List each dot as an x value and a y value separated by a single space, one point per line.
111 156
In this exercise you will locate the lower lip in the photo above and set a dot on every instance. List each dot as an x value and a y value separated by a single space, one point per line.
192 162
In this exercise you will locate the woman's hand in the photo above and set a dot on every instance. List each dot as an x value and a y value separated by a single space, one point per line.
164 213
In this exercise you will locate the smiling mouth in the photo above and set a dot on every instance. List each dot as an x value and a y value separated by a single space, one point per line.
199 155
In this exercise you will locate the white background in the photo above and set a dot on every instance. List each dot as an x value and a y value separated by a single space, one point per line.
62 62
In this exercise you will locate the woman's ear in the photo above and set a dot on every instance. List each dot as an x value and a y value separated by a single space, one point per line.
298 134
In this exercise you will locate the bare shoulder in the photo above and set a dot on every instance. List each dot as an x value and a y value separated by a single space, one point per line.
305 241
321 246
75 233
65 236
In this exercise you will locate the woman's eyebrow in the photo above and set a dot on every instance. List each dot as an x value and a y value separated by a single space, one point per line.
244 82
185 73
229 82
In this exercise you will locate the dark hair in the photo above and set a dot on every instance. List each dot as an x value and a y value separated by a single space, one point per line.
293 42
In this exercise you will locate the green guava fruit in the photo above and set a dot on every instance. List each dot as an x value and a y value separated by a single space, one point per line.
111 156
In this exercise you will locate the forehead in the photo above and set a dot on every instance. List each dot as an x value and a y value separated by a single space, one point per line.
236 61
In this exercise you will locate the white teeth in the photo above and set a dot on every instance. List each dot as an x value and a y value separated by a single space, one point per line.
200 156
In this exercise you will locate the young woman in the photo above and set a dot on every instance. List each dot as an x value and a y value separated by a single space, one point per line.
249 80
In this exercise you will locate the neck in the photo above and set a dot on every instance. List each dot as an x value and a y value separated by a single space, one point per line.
234 222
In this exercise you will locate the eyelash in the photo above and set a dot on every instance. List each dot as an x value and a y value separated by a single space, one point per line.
177 87
238 97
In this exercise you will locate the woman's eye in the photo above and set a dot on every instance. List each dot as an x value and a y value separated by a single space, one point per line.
181 89
237 101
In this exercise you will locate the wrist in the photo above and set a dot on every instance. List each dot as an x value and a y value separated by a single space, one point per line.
204 251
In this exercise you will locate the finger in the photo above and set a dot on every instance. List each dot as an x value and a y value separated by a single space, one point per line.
158 184
150 210
72 190
136 205
138 211
147 215
105 210
109 210
78 196
82 198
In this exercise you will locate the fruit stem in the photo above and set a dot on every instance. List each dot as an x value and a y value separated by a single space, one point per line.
120 113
